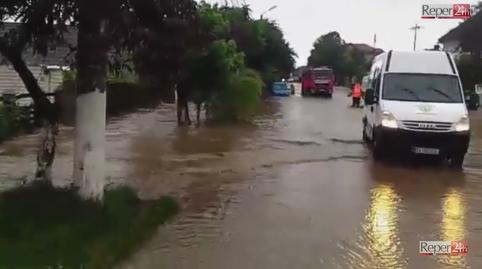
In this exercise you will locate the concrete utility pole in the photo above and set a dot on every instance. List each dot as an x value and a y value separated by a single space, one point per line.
415 29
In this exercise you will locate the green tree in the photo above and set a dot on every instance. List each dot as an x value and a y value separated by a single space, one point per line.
358 65
101 26
467 34
36 30
207 73
159 52
329 50
277 59
469 68
203 70
233 44
213 21
346 60
261 41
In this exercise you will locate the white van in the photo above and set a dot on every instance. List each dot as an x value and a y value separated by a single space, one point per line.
415 104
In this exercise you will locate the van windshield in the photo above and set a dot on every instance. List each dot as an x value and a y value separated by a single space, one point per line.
422 88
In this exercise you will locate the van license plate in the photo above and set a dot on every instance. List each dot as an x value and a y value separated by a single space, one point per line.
426 151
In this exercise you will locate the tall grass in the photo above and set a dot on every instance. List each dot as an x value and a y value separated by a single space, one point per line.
45 227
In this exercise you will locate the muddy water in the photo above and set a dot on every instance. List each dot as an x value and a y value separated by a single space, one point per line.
301 191
296 189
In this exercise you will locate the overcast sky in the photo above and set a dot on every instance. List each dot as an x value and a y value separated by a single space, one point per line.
357 21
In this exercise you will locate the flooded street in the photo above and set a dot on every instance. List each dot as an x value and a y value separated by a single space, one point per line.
296 189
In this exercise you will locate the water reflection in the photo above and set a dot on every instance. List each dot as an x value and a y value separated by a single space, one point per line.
382 217
381 229
453 224
379 243
453 217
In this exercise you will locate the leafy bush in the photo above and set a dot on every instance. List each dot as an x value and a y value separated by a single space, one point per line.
69 82
45 227
124 94
4 126
69 78
239 99
12 120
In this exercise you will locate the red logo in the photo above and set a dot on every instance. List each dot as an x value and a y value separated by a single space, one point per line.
462 11
459 248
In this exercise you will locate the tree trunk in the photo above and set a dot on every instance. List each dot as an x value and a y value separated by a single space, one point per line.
198 114
44 110
182 108
89 156
187 117
179 110
46 153
43 106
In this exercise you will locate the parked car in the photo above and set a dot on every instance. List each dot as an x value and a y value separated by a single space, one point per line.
415 104
281 89
318 81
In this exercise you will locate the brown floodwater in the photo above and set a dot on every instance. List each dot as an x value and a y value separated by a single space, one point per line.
295 189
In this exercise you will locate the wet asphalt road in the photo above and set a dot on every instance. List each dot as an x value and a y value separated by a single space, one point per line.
296 189
300 190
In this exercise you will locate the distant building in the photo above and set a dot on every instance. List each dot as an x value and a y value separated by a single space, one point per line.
465 38
48 70
368 51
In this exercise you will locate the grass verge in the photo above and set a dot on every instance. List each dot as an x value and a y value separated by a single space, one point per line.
45 227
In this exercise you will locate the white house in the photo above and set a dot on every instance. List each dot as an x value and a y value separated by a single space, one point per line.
48 70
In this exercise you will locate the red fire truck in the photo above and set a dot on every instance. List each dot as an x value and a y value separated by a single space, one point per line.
318 81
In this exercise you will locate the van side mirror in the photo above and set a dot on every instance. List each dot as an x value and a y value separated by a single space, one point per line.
473 101
370 98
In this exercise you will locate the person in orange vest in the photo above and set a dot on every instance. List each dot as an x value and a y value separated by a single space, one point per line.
356 94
